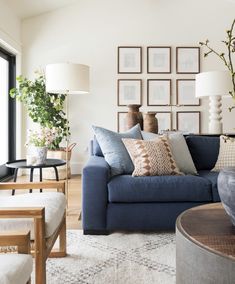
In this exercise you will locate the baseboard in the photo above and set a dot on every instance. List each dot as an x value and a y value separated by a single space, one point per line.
76 168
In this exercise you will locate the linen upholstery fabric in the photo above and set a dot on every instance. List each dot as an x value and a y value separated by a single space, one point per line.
185 188
152 157
54 203
114 150
181 153
213 178
226 156
204 151
15 268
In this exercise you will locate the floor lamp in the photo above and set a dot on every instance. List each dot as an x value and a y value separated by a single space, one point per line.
214 84
68 79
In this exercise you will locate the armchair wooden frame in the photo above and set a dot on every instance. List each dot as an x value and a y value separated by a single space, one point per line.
42 246
21 239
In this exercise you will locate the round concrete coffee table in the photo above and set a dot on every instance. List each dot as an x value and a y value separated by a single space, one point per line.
205 246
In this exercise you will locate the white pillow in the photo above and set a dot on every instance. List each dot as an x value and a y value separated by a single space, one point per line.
179 149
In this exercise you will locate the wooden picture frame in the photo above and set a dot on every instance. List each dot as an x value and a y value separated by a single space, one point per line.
188 121
187 60
164 121
120 121
129 91
129 60
185 93
158 92
158 59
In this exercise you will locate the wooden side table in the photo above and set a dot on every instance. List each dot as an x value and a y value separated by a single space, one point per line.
21 164
205 246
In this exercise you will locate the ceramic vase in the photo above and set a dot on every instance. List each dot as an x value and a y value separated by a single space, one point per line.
40 154
226 189
133 117
150 122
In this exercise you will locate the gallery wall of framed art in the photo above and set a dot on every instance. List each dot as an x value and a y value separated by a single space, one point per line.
161 79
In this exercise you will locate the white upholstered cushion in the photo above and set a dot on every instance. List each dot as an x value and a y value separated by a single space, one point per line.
15 268
54 203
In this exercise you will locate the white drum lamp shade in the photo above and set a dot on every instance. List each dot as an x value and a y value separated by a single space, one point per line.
214 85
67 78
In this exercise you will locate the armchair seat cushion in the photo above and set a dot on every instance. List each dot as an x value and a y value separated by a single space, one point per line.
54 203
15 268
189 188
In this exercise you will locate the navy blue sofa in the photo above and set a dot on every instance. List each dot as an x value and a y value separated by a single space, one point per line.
146 203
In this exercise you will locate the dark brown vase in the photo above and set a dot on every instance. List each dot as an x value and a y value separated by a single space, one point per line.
150 122
133 117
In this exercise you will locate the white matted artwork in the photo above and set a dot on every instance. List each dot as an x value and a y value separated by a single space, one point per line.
129 59
185 92
188 121
164 121
129 92
159 59
158 92
187 60
121 121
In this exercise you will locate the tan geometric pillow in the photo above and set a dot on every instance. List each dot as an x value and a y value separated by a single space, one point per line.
226 156
151 157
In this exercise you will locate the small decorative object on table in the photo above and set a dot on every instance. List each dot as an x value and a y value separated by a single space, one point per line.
226 188
40 140
150 122
133 117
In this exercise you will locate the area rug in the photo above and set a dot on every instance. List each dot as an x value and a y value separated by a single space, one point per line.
120 258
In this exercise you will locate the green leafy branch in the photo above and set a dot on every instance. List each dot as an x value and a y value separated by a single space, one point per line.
226 59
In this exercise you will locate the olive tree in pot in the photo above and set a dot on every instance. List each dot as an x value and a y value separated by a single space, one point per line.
46 109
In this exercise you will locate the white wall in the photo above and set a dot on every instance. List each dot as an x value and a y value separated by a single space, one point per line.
90 31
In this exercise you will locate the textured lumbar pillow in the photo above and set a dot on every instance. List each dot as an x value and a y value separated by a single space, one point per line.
181 153
113 149
226 156
151 157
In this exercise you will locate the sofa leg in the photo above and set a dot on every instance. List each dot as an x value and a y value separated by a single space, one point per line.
95 232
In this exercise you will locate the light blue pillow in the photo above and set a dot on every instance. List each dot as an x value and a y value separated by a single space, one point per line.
114 150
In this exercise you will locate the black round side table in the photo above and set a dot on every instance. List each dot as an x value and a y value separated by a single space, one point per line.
21 164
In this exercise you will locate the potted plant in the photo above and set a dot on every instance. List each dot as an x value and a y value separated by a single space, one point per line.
46 109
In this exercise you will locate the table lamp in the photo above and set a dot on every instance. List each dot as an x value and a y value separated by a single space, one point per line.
67 78
214 84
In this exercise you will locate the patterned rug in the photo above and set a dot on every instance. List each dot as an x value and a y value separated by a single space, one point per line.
120 258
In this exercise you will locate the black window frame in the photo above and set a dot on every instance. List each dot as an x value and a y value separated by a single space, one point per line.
11 58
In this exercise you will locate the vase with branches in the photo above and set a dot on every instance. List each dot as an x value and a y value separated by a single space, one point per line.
228 58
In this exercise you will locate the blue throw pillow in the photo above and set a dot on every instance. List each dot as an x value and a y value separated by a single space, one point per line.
114 150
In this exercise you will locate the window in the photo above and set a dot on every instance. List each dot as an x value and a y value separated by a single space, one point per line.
7 112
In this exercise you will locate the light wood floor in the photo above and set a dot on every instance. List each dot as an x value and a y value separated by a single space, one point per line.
74 201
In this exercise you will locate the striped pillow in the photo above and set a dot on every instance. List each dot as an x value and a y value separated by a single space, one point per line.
226 156
151 157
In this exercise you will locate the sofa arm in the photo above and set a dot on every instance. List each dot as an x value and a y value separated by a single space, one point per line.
96 174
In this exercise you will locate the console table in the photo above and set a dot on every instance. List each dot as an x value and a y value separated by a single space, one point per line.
205 246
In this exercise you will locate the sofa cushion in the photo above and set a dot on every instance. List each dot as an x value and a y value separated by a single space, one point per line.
212 177
114 150
204 151
15 268
54 203
126 188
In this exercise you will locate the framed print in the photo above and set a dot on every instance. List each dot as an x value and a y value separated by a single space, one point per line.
129 91
185 92
187 60
158 92
164 121
121 116
129 59
188 121
159 59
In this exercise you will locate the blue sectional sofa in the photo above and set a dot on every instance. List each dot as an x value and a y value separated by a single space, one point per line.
146 203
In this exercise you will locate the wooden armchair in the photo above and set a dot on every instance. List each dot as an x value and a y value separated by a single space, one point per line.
47 213
16 268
